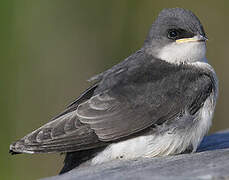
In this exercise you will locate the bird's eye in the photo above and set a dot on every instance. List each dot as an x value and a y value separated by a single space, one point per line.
173 34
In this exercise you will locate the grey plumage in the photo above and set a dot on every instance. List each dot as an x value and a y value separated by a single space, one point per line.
143 95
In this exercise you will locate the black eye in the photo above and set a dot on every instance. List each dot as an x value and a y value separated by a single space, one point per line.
173 34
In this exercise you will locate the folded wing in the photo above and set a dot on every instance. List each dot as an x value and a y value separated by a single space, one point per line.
121 105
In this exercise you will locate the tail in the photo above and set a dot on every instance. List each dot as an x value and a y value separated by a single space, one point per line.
75 159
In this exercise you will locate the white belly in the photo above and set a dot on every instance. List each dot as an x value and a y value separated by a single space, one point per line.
168 143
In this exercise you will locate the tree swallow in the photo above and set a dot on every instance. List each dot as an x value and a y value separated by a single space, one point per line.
157 102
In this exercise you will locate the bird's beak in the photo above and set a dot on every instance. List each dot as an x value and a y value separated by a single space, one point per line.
197 38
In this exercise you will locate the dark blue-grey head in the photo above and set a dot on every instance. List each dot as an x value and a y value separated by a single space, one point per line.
176 35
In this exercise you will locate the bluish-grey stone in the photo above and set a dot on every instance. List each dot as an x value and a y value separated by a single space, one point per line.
211 162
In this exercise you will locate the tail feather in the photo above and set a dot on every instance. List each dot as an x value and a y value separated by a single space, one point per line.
75 159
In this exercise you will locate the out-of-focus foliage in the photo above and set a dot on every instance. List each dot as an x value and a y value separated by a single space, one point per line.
49 48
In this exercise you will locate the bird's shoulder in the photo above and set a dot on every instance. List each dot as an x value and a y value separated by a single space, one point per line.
142 69
129 62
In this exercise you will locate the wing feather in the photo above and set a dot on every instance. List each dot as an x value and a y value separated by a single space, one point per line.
121 104
65 133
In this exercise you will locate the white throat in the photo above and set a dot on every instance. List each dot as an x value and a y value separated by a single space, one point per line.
183 52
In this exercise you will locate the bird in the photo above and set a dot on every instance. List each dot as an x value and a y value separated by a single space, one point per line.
159 101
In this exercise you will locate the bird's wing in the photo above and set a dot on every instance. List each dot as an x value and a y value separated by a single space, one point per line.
122 105
148 96
64 133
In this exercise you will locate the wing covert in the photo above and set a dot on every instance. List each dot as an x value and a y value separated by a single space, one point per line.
147 97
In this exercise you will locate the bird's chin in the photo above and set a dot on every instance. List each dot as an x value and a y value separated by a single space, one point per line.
183 52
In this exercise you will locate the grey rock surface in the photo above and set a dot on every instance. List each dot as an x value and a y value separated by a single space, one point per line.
211 162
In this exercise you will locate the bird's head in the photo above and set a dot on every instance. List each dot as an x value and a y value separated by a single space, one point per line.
177 36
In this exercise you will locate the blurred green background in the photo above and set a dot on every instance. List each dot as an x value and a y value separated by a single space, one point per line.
50 48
